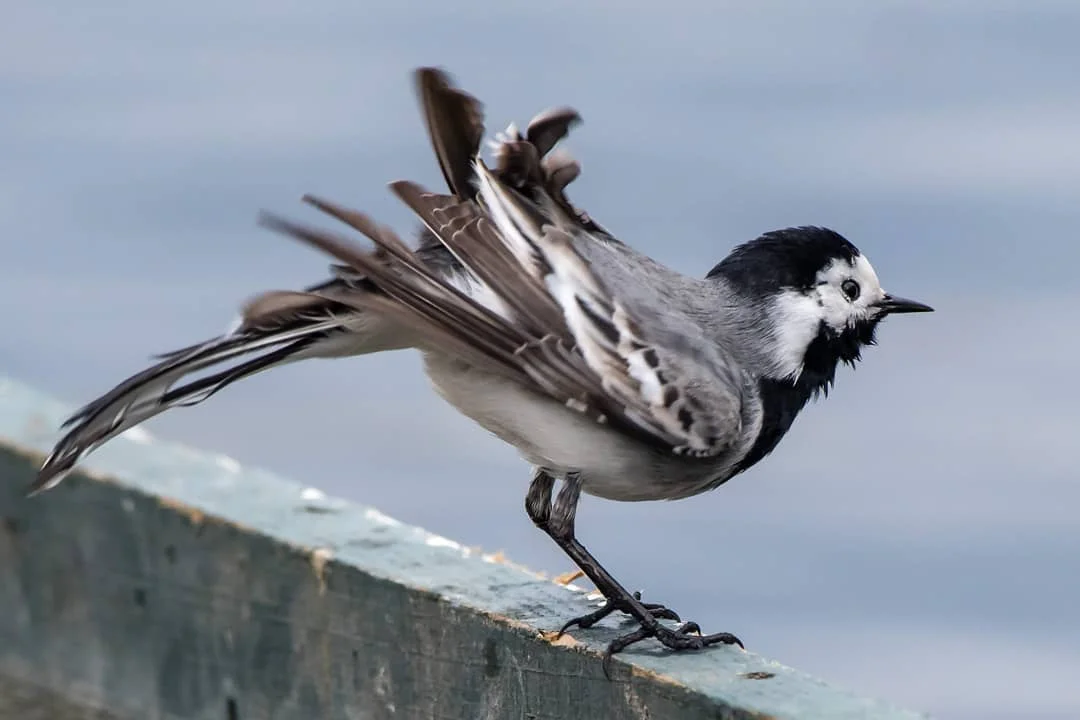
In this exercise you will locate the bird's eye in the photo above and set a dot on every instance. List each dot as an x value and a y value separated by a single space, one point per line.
850 288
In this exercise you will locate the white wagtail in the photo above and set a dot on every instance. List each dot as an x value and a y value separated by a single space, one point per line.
608 371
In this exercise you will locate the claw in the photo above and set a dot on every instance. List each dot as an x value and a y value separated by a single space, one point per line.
640 634
660 612
675 640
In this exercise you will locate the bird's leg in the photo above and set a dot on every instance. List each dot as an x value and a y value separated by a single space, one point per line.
557 520
561 525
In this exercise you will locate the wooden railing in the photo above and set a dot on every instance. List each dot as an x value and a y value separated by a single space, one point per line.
168 583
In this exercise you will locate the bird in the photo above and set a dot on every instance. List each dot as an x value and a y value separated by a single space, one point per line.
610 373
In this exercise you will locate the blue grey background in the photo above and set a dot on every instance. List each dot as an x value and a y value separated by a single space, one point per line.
915 537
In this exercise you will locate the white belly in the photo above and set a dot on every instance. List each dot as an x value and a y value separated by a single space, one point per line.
553 437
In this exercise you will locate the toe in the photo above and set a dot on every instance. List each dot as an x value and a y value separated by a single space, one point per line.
660 612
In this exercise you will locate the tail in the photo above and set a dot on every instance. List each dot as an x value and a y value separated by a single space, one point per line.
276 328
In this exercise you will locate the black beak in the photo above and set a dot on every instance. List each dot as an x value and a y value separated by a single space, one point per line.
892 304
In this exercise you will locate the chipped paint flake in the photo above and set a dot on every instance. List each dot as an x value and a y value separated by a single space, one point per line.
568 577
377 517
432 540
319 558
228 464
440 541
573 587
311 494
561 640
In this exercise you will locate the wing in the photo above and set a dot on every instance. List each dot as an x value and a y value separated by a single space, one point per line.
530 163
545 318
666 376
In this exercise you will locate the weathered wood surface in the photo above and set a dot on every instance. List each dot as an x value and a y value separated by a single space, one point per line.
24 700
175 584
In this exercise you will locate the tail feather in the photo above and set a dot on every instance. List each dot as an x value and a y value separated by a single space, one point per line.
271 341
200 390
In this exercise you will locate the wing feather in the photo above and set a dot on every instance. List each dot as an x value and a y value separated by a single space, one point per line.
655 386
544 318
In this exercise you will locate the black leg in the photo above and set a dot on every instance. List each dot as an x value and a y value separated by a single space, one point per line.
557 520
660 612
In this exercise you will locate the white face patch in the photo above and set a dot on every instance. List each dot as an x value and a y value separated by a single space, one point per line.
797 315
837 309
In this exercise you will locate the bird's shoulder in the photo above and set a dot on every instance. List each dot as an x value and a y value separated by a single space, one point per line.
637 323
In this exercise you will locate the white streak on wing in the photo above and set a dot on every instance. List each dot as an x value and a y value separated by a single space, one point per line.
480 293
646 376
563 284
569 281
138 435
519 245
622 368
591 314
649 386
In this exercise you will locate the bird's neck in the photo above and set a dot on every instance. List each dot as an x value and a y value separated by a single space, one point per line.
785 383
781 402
782 398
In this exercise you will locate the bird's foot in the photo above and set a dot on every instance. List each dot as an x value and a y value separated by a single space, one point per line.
585 622
686 637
